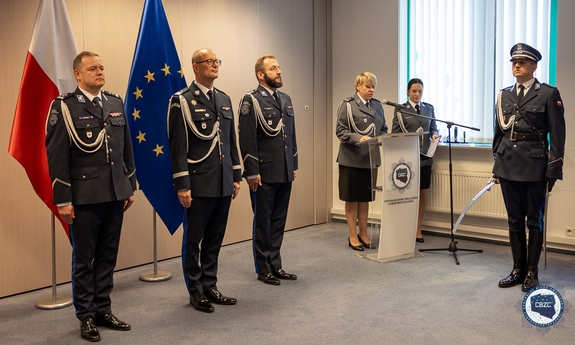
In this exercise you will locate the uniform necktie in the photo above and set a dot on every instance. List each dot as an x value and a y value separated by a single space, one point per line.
98 104
276 97
521 93
212 98
367 103
417 109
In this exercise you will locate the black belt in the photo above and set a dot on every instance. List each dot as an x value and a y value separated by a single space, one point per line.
514 136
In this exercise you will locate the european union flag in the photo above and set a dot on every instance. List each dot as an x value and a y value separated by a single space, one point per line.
156 74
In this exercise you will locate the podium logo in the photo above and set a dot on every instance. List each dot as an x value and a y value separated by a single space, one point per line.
542 306
401 175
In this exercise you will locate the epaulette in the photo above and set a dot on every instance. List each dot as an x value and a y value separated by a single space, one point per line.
182 91
220 91
252 92
507 88
349 99
375 99
551 86
108 93
65 95
427 104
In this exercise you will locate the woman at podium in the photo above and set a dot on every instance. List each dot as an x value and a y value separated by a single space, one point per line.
404 122
359 118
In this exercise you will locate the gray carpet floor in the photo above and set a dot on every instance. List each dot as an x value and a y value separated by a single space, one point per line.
339 298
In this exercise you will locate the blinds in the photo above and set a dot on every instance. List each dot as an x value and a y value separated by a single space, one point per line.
460 49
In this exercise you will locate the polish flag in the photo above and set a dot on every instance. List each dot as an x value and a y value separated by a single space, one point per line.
47 74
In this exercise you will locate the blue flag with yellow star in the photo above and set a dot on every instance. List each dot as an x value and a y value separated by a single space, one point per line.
156 74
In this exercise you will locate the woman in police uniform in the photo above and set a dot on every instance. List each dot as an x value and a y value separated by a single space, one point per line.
359 118
403 122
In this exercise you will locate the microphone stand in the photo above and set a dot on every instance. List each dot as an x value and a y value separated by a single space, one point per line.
453 244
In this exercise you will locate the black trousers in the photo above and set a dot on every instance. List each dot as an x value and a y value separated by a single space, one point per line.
207 219
270 205
524 200
95 237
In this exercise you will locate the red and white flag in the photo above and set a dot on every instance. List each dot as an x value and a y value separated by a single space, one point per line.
47 73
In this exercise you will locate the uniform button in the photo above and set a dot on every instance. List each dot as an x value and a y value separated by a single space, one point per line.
84 177
112 163
110 150
108 137
286 147
514 145
223 156
105 124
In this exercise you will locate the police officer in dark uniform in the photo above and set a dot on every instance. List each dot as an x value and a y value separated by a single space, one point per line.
207 175
269 149
92 169
528 146
359 118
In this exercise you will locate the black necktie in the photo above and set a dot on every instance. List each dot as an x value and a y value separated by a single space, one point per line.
417 109
276 97
367 104
98 104
212 98
521 93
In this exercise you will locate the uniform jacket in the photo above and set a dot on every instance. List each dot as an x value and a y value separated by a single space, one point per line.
272 155
215 175
80 177
413 123
350 154
530 161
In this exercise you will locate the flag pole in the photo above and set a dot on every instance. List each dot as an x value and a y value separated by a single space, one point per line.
54 302
155 275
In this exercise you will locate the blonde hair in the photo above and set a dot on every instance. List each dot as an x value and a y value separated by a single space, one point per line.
364 78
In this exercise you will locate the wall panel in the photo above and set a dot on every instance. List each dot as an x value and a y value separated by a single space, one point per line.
239 31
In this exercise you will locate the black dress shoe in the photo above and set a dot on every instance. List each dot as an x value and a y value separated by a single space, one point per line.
112 322
531 280
366 245
215 296
360 247
268 278
88 329
419 239
201 303
281 274
515 277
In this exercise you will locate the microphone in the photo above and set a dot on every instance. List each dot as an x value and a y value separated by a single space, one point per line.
393 104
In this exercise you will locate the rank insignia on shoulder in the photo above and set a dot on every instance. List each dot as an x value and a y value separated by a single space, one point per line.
53 119
81 98
115 114
193 101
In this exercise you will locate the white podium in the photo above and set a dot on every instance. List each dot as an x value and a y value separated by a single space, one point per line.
396 157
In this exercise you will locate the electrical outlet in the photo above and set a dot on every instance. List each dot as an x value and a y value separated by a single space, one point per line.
570 231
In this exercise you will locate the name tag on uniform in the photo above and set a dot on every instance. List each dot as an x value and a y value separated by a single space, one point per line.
85 117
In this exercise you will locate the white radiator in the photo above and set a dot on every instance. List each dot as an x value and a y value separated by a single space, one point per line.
465 187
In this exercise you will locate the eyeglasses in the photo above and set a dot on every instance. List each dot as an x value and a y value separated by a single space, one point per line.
212 62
